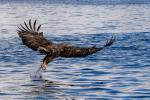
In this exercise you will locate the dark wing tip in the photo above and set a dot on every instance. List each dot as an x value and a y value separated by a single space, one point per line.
29 27
110 42
34 25
20 29
39 28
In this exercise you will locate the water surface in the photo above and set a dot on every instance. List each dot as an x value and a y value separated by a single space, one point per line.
119 72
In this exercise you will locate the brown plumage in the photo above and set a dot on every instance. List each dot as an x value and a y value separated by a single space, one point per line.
34 39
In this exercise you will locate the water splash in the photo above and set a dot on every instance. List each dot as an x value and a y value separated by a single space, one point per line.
36 74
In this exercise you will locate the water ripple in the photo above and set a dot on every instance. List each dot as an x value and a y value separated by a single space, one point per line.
119 72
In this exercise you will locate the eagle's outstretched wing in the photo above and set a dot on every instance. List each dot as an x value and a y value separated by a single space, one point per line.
73 51
32 38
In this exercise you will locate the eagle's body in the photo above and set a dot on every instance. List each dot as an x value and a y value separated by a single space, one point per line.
34 39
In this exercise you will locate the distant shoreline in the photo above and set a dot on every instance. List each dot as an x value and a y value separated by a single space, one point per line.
80 2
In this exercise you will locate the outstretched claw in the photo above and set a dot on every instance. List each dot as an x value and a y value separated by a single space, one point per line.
43 67
48 58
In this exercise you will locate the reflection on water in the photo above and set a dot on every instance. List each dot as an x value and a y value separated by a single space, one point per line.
120 72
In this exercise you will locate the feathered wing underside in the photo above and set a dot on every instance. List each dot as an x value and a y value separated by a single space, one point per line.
72 51
32 38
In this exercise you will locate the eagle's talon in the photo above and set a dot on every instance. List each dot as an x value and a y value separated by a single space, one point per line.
43 67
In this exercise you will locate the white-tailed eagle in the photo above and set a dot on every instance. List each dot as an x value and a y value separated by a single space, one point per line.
34 39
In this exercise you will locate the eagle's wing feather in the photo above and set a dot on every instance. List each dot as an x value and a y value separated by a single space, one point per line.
32 38
73 51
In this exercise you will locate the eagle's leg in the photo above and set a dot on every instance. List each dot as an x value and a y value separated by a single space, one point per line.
46 60
44 64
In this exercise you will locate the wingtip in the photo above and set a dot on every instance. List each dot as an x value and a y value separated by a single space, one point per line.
21 30
39 28
18 31
110 42
34 25
30 25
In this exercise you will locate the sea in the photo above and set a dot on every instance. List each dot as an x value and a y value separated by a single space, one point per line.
120 72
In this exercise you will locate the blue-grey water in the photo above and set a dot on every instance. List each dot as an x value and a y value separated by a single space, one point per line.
121 72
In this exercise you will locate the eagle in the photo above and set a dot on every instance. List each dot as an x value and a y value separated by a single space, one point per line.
33 38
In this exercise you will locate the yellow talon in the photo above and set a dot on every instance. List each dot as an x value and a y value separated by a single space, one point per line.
43 66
